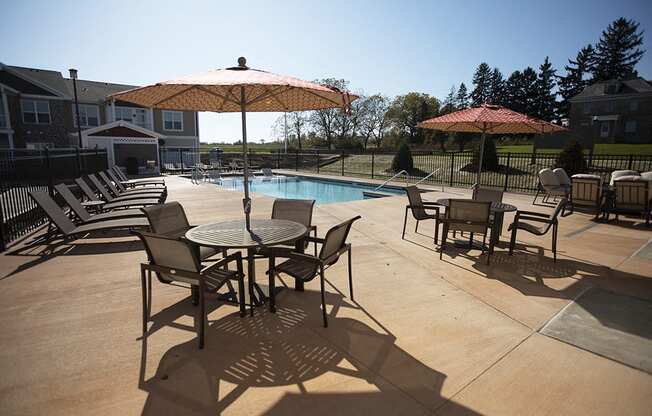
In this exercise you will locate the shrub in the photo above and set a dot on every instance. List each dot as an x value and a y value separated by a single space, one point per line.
403 159
490 157
571 159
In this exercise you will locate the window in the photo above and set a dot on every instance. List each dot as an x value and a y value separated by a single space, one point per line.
124 113
604 129
630 127
37 112
135 115
173 120
89 115
633 105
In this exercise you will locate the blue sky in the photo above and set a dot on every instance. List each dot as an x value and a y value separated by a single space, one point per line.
387 47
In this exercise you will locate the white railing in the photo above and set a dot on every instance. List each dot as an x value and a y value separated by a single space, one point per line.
403 172
429 175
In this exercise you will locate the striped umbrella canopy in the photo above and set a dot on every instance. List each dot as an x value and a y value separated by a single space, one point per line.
489 119
238 89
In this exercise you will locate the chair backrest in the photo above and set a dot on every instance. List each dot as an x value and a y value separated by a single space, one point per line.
559 208
335 240
100 187
416 203
109 183
562 176
53 211
548 179
116 180
297 210
632 194
620 173
167 219
647 176
487 195
586 189
119 173
171 252
83 185
267 172
468 210
72 201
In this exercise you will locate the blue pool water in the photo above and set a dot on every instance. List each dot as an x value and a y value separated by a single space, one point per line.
322 191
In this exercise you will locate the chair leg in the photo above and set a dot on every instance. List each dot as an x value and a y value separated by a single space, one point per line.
241 289
444 237
145 307
471 241
202 312
272 275
194 295
315 243
512 241
416 227
536 195
404 223
323 297
350 275
554 242
436 230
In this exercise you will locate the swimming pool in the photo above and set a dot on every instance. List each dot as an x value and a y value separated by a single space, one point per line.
293 187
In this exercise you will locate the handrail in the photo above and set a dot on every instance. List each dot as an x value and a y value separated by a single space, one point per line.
403 172
429 175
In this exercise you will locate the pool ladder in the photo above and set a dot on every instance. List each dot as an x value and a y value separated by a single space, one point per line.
429 175
403 172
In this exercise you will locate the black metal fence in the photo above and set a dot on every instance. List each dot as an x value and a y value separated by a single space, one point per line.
517 171
24 170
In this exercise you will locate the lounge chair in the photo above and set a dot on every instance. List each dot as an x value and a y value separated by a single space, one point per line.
304 267
627 174
68 229
141 192
92 196
549 186
633 195
563 179
170 168
267 172
104 193
135 182
84 216
470 216
419 210
586 191
174 260
121 184
547 221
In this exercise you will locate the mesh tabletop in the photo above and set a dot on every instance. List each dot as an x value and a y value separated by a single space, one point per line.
495 206
233 234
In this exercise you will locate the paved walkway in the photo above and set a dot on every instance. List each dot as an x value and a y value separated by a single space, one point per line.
424 336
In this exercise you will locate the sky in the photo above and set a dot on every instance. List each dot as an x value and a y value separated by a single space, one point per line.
378 46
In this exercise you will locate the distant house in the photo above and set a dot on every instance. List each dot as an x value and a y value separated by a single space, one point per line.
37 110
613 112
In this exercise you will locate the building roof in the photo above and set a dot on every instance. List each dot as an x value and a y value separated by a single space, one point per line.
614 88
95 91
50 80
121 128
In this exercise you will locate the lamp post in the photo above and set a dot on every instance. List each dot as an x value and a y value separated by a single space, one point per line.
73 76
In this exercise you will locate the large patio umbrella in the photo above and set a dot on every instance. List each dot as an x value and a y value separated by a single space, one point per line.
238 89
489 119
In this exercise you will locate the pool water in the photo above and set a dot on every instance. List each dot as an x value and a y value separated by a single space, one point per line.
322 191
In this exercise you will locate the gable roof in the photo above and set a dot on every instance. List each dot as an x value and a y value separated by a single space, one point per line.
51 81
614 88
121 128
95 91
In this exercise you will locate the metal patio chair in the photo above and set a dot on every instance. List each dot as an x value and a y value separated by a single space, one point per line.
549 186
633 195
305 267
470 216
173 260
92 196
297 210
547 221
586 191
106 195
419 209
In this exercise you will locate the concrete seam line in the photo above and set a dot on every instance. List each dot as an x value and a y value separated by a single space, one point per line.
559 312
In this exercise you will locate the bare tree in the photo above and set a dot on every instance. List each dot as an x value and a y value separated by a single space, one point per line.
328 122
297 125
375 121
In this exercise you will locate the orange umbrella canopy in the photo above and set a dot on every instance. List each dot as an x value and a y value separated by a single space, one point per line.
220 91
490 119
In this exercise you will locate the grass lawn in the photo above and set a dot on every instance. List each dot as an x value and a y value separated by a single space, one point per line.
231 148
612 149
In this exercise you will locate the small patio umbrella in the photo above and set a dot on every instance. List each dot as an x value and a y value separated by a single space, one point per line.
489 119
238 89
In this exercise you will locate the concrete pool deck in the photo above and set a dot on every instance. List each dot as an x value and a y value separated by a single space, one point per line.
424 336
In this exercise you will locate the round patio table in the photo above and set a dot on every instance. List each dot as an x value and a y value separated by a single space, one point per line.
234 235
498 209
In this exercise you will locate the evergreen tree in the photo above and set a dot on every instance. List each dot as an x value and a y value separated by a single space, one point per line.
462 99
618 51
575 80
489 155
546 98
529 91
449 102
497 88
403 159
482 84
514 92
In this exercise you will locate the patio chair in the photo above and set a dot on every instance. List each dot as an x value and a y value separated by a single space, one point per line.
470 216
586 191
549 186
171 168
104 193
616 174
84 216
267 172
304 267
633 195
170 220
173 260
419 209
487 195
297 210
141 192
563 178
92 196
646 176
123 185
135 182
68 229
547 221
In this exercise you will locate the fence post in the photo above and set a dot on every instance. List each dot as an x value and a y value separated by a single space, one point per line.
509 156
48 166
373 160
296 161
342 158
180 158
452 163
318 160
631 161
590 158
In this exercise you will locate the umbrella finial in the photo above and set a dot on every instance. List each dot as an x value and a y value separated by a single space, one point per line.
242 62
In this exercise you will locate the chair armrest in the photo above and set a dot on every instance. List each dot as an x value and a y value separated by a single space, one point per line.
536 219
289 253
425 207
314 239
531 213
237 256
171 271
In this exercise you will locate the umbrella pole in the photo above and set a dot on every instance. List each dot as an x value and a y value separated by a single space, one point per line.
481 156
246 202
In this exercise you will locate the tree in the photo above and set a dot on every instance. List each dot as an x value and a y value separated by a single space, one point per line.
406 111
546 99
482 84
326 122
462 139
374 120
489 155
575 79
462 99
297 125
529 92
571 159
448 106
514 92
403 159
618 51
497 87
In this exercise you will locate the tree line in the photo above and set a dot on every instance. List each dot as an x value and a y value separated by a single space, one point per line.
543 93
